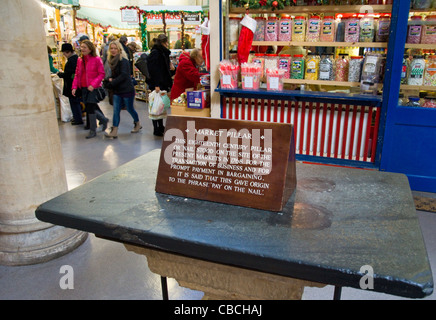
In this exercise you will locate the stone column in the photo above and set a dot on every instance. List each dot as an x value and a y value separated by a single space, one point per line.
31 164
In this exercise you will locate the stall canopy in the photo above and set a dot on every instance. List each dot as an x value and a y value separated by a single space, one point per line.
104 17
63 3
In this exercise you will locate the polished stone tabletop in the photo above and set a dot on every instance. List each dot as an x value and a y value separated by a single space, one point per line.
339 220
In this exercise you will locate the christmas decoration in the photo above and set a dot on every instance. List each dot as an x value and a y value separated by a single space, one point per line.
205 44
264 4
246 38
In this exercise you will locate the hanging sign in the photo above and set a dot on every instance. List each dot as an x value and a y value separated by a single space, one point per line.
245 163
129 15
192 18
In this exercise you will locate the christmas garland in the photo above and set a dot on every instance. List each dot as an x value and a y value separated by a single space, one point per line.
264 4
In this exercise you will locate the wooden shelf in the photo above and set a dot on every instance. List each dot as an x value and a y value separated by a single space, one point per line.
321 44
317 9
422 88
420 46
322 82
326 83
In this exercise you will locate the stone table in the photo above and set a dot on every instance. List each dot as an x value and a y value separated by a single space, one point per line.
338 221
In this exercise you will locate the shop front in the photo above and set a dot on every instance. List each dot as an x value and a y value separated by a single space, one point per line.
338 118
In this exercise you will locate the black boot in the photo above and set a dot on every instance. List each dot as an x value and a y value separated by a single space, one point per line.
86 127
102 119
156 130
161 127
92 126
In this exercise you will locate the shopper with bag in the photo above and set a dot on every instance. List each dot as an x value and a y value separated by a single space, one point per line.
122 87
68 76
161 71
89 76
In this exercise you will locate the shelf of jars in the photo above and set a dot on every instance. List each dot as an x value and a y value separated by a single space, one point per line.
317 9
321 44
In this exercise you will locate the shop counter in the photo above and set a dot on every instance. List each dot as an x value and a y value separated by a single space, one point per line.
343 227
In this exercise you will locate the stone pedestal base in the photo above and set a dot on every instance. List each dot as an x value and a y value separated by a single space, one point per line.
222 282
38 246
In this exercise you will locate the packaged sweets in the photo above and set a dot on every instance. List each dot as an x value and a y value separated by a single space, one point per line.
274 79
271 29
328 28
383 26
414 29
416 73
250 75
371 69
429 102
234 29
367 29
404 69
229 74
421 4
271 61
340 31
429 30
326 70
342 68
299 29
259 58
313 29
285 29
285 64
355 68
312 67
297 67
430 71
259 34
352 30
413 102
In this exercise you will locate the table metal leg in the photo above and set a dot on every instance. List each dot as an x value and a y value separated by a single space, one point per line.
163 282
337 294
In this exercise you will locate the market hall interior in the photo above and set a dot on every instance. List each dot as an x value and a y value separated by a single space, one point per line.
102 269
105 269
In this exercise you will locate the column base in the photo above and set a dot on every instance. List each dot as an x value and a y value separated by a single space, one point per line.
18 249
223 282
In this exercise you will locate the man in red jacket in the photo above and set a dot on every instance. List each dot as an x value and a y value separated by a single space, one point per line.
187 74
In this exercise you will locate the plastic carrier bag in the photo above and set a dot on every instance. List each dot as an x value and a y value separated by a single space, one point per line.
159 102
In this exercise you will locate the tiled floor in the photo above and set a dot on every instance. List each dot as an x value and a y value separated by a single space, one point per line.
105 269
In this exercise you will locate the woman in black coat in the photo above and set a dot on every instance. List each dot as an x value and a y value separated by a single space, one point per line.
161 71
121 84
68 76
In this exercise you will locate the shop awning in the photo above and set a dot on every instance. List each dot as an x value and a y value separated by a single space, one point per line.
62 3
104 17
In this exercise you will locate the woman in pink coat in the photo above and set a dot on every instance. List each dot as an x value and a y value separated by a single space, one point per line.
89 75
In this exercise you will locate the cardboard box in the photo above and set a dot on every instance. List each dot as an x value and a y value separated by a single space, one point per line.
198 99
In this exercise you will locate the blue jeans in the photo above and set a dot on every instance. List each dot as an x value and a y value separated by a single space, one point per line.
128 102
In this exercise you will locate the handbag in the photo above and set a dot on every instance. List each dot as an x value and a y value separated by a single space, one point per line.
95 96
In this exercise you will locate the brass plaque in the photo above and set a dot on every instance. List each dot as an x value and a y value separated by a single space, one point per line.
244 163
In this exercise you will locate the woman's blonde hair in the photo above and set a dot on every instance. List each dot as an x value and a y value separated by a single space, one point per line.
117 43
